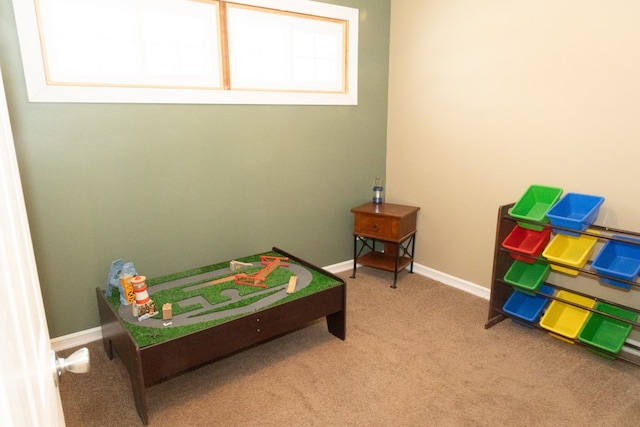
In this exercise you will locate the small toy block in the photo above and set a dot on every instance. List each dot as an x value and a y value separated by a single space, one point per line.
293 281
238 265
167 311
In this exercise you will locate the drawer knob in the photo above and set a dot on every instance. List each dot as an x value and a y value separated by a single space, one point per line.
375 227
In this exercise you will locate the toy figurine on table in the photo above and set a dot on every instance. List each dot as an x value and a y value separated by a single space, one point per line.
144 306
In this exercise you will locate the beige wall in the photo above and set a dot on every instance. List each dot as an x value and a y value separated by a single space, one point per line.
486 98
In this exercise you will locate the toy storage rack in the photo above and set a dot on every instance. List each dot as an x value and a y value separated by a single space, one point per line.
501 290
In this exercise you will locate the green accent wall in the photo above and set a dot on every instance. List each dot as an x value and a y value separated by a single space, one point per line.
172 187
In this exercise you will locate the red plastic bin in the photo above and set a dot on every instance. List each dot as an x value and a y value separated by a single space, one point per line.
526 241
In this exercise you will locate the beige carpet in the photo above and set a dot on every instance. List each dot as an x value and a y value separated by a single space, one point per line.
414 356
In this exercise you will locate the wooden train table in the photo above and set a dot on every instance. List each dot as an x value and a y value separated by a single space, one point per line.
214 315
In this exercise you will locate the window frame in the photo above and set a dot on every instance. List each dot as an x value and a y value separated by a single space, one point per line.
39 90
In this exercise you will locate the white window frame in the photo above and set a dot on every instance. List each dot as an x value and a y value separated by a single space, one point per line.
39 90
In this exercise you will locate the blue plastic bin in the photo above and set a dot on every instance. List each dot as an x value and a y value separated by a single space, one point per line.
527 307
620 260
575 211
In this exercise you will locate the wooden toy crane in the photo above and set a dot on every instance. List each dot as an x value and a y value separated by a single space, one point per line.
259 278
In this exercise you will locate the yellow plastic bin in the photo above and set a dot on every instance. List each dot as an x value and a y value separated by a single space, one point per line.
563 320
569 250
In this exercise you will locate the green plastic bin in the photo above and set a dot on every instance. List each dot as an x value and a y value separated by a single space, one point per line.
527 277
607 333
534 205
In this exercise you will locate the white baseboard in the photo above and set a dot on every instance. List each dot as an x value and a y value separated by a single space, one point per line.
436 275
76 339
84 337
454 282
340 267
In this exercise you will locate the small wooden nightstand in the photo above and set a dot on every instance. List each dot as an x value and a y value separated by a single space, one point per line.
394 226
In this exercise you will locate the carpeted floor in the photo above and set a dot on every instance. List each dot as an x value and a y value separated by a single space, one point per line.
417 355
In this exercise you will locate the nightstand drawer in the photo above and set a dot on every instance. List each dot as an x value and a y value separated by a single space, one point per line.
376 226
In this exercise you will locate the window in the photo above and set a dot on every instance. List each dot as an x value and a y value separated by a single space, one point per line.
144 43
189 51
273 50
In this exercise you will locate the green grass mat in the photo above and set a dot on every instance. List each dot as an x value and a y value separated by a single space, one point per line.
146 336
